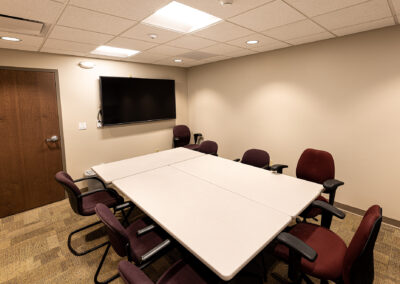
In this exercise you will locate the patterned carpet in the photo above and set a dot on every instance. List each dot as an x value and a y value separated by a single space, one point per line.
33 249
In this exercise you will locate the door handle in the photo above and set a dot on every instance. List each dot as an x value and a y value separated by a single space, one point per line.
53 139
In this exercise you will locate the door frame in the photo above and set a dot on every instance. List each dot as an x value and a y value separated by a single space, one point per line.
58 98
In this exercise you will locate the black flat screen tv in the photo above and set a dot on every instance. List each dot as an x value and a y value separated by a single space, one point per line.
127 100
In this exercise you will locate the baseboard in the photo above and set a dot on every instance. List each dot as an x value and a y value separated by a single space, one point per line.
361 212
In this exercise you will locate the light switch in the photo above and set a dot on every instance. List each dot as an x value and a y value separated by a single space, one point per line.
82 125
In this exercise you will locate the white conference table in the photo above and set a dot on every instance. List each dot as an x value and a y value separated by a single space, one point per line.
284 193
222 211
115 170
223 230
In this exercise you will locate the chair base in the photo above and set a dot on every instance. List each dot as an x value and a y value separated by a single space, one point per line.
73 251
103 258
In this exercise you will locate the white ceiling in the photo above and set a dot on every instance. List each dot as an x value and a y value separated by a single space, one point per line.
77 27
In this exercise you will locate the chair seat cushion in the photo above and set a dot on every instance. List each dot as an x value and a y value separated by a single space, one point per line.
181 272
330 249
142 244
192 146
311 212
89 202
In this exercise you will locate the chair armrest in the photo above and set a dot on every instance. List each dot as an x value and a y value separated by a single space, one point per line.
154 251
125 205
145 230
294 243
267 167
278 168
325 206
331 185
86 178
236 160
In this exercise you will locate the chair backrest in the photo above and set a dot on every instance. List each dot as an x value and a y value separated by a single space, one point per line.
358 266
72 190
255 157
183 133
116 232
316 166
208 147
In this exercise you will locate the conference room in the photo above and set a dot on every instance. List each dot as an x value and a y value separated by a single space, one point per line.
213 141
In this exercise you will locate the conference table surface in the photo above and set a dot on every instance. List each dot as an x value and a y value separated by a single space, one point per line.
223 212
115 170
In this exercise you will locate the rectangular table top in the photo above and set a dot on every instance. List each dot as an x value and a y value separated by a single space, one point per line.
221 228
120 169
284 193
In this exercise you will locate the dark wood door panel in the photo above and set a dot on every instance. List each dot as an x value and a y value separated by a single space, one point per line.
28 116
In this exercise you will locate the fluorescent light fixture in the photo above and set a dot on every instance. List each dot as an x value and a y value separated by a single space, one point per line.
87 64
252 41
178 60
10 38
114 51
179 17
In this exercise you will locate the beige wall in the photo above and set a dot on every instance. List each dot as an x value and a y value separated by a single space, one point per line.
80 101
340 95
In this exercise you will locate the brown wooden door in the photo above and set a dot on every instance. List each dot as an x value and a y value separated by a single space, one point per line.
28 115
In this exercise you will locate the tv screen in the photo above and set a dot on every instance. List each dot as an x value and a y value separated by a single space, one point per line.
126 100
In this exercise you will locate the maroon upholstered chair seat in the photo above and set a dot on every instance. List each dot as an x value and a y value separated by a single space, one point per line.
89 202
330 248
179 273
256 157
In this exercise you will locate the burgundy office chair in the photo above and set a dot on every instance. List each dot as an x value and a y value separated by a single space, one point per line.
84 203
317 251
319 167
256 158
179 273
208 147
139 241
182 137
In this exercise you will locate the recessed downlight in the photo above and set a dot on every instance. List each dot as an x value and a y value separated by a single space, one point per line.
10 38
114 51
252 41
181 18
178 60
152 36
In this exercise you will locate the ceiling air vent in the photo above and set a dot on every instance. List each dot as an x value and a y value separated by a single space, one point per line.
19 25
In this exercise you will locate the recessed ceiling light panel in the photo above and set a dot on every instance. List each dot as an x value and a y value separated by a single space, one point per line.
179 17
114 51
252 41
10 38
178 60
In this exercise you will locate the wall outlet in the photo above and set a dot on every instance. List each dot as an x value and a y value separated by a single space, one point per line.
82 125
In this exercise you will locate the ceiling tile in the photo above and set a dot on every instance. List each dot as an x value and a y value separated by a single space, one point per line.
223 31
71 34
262 40
68 45
310 38
93 21
129 43
362 13
61 1
214 7
59 51
396 5
168 50
221 49
146 57
130 9
27 42
365 27
38 10
270 15
294 30
170 61
142 32
271 46
317 7
242 52
191 42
